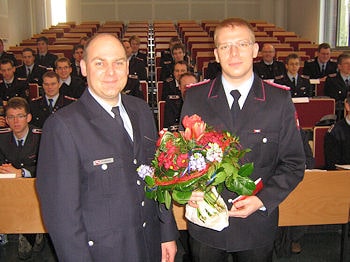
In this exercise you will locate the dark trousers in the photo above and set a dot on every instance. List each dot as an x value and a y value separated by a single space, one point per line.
204 253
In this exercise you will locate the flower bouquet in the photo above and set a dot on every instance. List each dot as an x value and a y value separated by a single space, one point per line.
199 158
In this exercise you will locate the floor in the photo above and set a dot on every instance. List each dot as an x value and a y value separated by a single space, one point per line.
319 244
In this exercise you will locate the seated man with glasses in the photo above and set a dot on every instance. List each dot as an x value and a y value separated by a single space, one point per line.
72 86
19 145
268 67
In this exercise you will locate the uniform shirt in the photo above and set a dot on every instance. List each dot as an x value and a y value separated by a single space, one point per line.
39 107
25 157
337 144
265 71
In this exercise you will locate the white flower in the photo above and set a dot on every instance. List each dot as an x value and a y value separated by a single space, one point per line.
145 170
197 162
214 153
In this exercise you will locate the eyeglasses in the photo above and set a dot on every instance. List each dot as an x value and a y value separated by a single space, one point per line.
241 45
63 68
20 117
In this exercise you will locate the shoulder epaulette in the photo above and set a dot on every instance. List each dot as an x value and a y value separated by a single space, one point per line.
305 76
126 92
173 97
70 98
134 76
333 60
140 59
37 131
19 66
166 52
332 75
311 60
43 66
277 85
169 79
142 52
212 61
279 77
21 78
9 52
1 81
5 130
167 62
330 129
37 98
205 81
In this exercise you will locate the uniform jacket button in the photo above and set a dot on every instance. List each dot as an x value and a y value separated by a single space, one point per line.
91 243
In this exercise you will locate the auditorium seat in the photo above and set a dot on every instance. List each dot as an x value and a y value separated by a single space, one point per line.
161 107
318 142
144 88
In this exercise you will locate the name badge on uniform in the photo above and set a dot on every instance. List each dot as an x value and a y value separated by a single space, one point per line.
103 161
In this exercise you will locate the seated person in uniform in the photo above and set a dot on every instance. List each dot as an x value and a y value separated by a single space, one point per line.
135 42
171 84
78 53
212 70
166 56
136 65
320 66
30 71
43 106
269 67
44 57
6 55
299 84
72 86
178 53
19 146
173 103
337 85
337 141
11 86
133 87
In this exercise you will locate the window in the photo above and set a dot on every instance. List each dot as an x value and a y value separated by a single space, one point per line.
343 26
58 11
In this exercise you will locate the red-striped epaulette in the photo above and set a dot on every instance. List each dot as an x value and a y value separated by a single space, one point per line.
205 81
37 98
134 76
332 75
169 79
277 85
70 98
37 131
5 130
305 76
279 77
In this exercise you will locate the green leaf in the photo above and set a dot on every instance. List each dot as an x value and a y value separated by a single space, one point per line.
160 196
181 197
220 178
240 185
228 168
246 169
167 198
149 181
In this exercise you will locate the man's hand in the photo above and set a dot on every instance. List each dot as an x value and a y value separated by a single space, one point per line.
169 250
2 121
9 169
246 207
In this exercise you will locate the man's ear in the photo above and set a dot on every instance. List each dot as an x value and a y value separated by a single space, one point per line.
83 67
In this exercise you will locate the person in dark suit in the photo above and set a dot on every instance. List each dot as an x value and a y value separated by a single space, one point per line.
268 67
173 103
171 85
265 122
166 56
6 55
11 86
133 87
320 66
178 53
106 214
30 71
71 86
78 52
44 106
19 145
135 42
299 84
44 57
337 85
136 65
337 141
214 68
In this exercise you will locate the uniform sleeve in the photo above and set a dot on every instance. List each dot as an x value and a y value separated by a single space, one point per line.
58 185
331 151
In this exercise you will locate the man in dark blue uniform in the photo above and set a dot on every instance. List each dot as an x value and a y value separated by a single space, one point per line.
44 57
265 122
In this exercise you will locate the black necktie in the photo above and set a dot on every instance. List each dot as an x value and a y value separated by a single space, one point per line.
293 81
78 70
28 73
20 143
347 82
323 71
235 106
9 85
50 105
117 116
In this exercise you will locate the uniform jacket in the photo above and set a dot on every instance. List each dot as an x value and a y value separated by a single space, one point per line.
101 212
172 112
269 71
170 88
213 69
35 75
312 68
18 87
133 87
75 89
25 157
48 60
40 108
267 125
337 145
8 55
302 89
75 72
137 67
143 56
